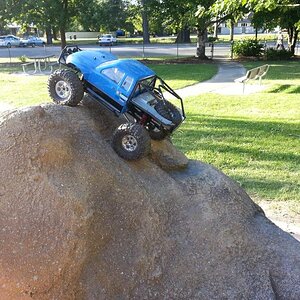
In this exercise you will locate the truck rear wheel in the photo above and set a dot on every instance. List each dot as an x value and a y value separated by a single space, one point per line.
131 141
65 87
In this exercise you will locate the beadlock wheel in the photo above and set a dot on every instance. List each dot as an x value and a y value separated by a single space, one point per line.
62 89
129 143
65 87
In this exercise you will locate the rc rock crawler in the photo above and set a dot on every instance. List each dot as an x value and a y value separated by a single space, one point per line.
125 87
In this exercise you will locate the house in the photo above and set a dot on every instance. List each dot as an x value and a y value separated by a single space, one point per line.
243 26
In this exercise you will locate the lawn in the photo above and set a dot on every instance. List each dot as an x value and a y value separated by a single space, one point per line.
255 139
181 75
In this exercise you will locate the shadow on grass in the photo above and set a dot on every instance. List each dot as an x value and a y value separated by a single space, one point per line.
270 150
267 186
285 88
267 141
10 67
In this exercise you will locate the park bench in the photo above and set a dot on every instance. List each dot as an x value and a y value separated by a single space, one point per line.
36 64
26 65
52 65
253 74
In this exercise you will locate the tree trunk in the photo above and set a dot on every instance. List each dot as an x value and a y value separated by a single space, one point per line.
231 30
201 40
54 32
216 25
62 32
292 39
49 35
183 35
146 38
62 26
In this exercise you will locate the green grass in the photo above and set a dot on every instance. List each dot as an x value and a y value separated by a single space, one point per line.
181 75
254 139
20 90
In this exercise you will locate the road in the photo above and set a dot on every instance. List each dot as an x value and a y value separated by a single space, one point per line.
136 51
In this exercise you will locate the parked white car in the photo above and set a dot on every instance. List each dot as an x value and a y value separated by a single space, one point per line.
107 39
32 41
9 40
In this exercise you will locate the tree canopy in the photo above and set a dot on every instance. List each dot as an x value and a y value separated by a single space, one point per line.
150 15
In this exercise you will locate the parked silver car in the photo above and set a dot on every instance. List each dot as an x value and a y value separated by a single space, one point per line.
32 41
9 40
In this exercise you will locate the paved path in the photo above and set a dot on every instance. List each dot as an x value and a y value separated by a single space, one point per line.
223 82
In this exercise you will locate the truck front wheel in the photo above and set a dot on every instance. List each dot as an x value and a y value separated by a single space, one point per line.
65 87
131 141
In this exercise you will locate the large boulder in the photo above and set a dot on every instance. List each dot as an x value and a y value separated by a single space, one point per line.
79 222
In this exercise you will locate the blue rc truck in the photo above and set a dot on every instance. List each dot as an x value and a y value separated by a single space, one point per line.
126 87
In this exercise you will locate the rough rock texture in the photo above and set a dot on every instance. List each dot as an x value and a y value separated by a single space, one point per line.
78 222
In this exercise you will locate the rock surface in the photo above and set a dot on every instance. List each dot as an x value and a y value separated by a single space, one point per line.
78 222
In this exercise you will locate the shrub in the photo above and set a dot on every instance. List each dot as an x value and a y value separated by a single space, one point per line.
23 58
273 54
248 48
211 39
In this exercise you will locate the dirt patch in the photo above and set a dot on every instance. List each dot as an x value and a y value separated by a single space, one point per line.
284 215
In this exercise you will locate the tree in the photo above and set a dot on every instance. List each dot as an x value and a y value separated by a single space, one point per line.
286 15
186 14
145 20
44 13
103 15
178 15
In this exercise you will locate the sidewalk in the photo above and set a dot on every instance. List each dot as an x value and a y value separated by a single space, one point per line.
223 82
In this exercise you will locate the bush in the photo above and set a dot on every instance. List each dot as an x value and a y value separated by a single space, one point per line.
273 54
248 48
23 58
211 39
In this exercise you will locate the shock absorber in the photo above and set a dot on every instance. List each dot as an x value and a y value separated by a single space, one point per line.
143 119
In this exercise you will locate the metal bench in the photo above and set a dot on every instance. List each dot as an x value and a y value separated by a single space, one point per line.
52 65
36 67
26 65
263 70
255 73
